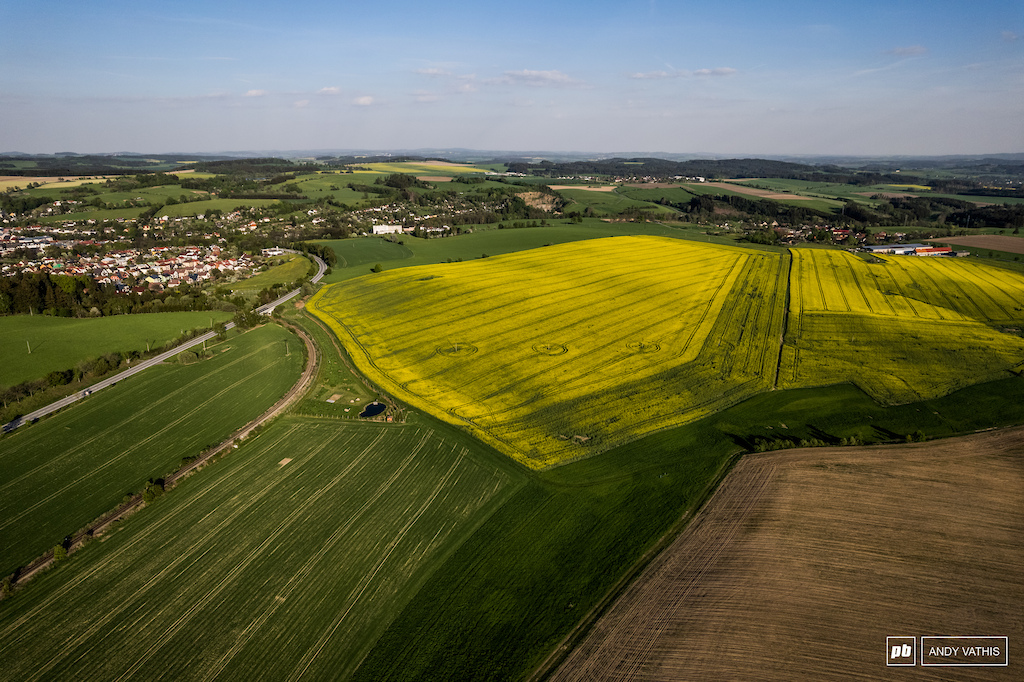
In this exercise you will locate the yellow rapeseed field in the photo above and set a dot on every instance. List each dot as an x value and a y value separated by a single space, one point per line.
561 352
904 329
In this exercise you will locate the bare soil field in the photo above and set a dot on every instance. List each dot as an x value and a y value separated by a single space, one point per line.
804 561
995 242
589 188
755 192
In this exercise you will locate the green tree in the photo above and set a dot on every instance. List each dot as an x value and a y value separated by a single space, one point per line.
59 554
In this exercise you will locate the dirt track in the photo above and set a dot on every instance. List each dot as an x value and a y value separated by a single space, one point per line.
805 560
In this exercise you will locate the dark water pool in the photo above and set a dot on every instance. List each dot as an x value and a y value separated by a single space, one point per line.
373 409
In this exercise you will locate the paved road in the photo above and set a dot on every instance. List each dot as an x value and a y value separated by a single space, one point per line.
110 381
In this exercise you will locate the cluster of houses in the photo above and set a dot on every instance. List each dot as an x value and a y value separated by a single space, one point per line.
155 269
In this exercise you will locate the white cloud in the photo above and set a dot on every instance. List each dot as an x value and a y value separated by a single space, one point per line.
539 78
330 90
680 73
434 72
302 103
363 101
256 93
908 51
425 97
654 75
719 71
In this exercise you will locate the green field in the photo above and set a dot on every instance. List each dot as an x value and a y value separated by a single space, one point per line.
72 467
608 203
286 560
664 331
59 343
292 269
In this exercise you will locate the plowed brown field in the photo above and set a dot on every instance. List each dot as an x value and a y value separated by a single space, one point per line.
756 192
986 241
804 561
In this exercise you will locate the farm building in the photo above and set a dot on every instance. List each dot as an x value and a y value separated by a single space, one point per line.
911 250
387 229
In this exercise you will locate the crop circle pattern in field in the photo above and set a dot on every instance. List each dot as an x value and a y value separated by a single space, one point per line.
550 348
643 347
457 349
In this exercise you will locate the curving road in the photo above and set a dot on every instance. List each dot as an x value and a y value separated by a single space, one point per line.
156 360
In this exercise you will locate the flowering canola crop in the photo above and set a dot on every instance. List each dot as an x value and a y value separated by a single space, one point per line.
557 353
903 329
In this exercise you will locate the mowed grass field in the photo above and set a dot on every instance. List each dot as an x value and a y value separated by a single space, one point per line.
292 269
58 343
609 203
547 362
903 329
284 561
804 561
66 470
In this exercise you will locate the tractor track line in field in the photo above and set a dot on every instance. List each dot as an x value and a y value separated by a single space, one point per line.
785 320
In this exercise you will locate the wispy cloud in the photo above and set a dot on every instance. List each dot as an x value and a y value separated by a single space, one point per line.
682 73
719 71
539 78
908 51
301 104
656 75
330 90
255 93
434 72
1009 36
425 97
363 101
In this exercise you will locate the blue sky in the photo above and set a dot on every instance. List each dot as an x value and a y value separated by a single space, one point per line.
744 78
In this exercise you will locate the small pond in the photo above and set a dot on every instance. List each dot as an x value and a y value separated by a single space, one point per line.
373 409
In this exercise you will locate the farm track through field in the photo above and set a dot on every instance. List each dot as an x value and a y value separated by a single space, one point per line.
97 527
785 318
